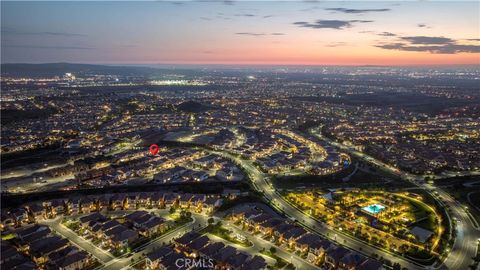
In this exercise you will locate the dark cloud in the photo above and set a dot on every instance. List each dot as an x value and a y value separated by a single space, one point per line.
48 47
222 16
250 34
259 34
421 25
427 40
336 44
250 15
245 15
330 24
357 11
229 2
62 34
47 33
436 45
387 34
437 49
225 2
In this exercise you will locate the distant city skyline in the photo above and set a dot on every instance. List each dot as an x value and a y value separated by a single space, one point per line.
242 33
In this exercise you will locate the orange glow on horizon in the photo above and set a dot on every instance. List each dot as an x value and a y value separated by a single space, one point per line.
389 58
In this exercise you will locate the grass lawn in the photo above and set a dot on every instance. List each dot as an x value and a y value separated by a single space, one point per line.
428 223
224 233
425 216
72 225
8 236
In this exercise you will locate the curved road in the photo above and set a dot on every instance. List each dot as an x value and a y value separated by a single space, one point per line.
465 246
277 201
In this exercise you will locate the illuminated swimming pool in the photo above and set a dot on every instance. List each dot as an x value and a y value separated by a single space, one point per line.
374 208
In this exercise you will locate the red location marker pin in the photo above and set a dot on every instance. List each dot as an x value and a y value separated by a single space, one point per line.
154 149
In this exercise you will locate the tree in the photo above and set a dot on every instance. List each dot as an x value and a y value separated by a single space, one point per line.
273 250
210 221
172 210
125 203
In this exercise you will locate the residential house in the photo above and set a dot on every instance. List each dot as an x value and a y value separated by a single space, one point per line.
74 261
334 255
152 259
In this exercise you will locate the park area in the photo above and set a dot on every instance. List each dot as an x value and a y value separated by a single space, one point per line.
400 222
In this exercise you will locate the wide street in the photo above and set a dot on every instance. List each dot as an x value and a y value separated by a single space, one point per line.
465 246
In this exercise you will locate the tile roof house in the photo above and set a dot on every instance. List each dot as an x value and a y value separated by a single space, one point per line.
225 253
211 249
237 261
197 244
41 248
152 259
306 241
74 261
256 263
124 238
351 261
334 255
23 232
186 239
293 234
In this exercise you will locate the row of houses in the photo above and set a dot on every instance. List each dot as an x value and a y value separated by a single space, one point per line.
202 254
258 142
136 163
284 160
36 247
334 162
225 171
318 250
223 139
120 236
31 212
181 174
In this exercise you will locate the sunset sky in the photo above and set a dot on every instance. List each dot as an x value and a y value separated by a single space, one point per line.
236 32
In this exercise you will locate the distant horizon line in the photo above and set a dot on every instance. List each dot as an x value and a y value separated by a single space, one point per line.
240 65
